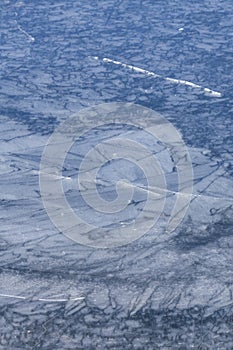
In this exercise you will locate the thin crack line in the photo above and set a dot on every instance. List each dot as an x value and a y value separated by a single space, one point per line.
41 299
30 37
152 74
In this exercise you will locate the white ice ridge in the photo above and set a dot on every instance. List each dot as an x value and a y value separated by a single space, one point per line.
155 190
152 74
41 299
25 33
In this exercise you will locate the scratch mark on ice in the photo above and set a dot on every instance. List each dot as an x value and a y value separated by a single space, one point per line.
25 33
41 299
210 92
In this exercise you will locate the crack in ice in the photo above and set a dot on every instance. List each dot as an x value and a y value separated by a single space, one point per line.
211 92
41 299
25 33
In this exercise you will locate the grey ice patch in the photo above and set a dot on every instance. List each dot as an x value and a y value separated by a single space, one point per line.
118 232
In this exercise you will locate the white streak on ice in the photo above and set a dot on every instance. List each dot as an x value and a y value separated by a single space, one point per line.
148 73
152 190
25 33
41 299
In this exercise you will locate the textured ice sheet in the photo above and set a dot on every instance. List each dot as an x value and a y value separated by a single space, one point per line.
177 272
159 292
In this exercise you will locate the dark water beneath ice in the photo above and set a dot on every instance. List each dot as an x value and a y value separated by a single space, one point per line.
173 292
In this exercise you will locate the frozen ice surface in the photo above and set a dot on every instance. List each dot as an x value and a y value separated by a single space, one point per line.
161 291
